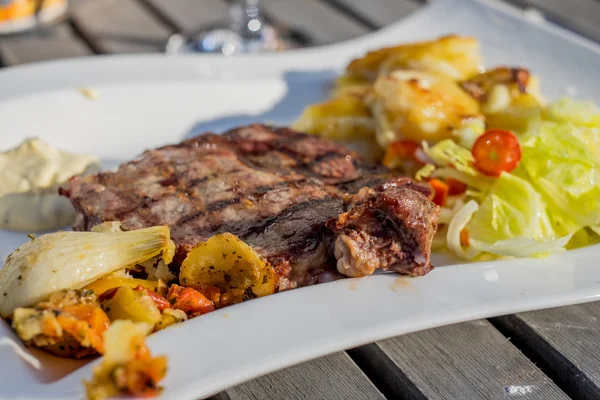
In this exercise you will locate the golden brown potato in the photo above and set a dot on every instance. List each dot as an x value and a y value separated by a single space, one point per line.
515 79
517 116
419 106
170 316
226 262
508 97
340 118
103 284
133 305
455 57
348 84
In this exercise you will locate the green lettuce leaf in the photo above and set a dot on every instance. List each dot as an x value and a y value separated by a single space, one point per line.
562 162
512 209
575 112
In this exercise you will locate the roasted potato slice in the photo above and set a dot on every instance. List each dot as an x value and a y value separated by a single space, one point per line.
226 262
509 97
419 106
103 284
133 305
348 84
517 115
170 316
340 118
455 57
517 81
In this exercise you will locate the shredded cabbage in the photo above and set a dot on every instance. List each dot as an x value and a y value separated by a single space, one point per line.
550 203
512 209
562 161
479 182
456 226
467 134
424 172
447 153
572 111
522 247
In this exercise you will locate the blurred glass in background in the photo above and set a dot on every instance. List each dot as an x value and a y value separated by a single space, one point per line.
247 33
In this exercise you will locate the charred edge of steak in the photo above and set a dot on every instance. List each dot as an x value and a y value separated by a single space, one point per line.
390 228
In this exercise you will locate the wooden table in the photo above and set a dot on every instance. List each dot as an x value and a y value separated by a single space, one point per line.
550 354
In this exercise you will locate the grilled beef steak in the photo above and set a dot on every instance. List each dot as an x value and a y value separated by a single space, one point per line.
300 201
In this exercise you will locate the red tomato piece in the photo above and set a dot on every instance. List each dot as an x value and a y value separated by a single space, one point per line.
158 300
402 150
496 151
191 301
455 186
210 292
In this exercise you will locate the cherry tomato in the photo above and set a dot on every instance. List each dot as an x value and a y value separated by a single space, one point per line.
496 151
455 186
440 190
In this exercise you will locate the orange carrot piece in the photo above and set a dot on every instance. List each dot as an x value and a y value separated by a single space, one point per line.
440 190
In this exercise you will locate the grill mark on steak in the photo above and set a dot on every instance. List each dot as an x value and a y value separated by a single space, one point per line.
275 189
296 209
242 216
255 194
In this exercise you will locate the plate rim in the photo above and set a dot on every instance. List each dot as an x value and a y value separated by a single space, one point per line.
117 63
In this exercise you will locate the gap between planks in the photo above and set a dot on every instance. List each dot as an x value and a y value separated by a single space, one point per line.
470 360
563 342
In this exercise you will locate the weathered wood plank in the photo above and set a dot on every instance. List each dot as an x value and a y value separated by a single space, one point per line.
316 20
582 16
564 342
191 16
379 13
384 373
332 377
58 41
467 361
119 26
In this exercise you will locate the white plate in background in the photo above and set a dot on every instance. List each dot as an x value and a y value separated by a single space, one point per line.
149 100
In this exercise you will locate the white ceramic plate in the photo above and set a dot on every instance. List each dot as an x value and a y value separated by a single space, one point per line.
148 100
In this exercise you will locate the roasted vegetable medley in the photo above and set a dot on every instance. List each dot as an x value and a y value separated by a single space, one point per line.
78 294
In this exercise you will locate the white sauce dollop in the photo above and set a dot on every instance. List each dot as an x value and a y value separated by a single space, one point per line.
31 174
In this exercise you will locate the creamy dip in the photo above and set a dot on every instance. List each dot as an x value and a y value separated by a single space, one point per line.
30 175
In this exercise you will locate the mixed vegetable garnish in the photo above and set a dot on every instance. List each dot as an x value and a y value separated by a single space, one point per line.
78 294
514 176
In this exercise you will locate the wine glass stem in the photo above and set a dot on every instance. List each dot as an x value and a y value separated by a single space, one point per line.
245 18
